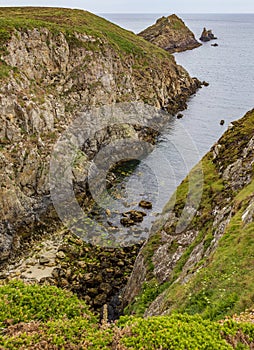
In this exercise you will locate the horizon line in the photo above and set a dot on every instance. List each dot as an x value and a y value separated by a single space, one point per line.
182 13
130 13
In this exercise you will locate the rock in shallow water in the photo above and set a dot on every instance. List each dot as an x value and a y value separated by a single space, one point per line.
136 215
127 222
145 204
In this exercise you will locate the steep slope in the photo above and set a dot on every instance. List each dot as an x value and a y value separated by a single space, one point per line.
171 34
207 267
53 63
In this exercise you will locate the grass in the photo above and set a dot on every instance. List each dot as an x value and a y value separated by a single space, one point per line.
225 285
4 70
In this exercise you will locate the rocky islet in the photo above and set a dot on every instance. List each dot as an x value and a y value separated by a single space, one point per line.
171 34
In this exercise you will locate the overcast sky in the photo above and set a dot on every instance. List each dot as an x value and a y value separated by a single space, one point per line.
144 6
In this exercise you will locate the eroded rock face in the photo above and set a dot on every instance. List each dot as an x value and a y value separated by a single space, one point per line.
226 174
171 34
50 80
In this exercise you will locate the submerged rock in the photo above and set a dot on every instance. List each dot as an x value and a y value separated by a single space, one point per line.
127 222
145 204
136 215
132 217
171 34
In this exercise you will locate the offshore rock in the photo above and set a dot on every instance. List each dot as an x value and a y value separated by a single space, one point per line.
207 35
171 34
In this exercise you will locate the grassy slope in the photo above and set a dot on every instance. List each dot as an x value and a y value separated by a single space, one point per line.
36 317
225 285
70 22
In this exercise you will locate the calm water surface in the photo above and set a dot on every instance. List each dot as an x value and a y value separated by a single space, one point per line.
229 68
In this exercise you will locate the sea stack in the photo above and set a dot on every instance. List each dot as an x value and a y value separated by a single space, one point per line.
207 35
171 34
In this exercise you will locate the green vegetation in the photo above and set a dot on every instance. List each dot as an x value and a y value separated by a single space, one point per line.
70 22
34 317
150 290
225 286
4 69
174 332
222 283
24 303
235 139
177 23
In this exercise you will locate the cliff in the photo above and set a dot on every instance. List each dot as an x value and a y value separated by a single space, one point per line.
199 258
54 62
171 34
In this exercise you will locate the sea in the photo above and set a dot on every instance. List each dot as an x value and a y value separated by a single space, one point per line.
229 70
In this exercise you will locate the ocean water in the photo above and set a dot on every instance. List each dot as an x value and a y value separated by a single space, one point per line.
229 69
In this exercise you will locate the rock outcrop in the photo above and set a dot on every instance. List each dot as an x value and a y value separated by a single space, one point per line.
171 34
207 35
203 265
53 64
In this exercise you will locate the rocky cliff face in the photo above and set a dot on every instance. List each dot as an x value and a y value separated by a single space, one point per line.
171 34
204 266
53 63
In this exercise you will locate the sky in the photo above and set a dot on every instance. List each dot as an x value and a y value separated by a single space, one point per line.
144 6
